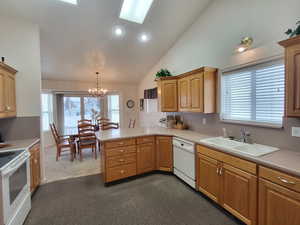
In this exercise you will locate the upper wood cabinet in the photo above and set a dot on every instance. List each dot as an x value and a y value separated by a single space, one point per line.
164 150
7 91
194 91
292 74
167 90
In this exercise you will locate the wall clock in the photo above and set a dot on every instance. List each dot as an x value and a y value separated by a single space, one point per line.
130 104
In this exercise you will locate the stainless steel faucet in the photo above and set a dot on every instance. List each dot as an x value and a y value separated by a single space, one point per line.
245 136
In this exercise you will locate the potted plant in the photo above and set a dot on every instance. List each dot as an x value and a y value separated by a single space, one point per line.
163 73
295 32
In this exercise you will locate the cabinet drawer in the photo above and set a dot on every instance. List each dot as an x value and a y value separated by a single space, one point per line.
121 160
120 151
142 140
229 159
280 178
120 172
119 143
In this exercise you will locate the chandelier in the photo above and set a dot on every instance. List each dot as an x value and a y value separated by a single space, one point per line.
98 91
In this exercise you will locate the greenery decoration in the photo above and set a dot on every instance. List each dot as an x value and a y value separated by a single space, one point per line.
295 32
163 73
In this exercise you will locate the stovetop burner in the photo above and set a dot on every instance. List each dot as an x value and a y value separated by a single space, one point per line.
6 157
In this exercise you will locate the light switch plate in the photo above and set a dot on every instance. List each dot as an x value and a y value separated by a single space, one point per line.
296 131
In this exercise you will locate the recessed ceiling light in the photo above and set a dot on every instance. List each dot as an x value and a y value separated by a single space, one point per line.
118 31
135 10
144 37
74 2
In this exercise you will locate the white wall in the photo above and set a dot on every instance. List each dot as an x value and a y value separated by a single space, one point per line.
126 92
20 45
211 40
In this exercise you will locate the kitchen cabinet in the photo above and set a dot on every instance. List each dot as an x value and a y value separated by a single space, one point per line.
197 91
35 168
7 91
194 91
167 91
279 198
145 157
228 181
164 149
292 74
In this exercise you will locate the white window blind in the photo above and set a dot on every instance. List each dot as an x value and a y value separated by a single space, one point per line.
254 94
47 111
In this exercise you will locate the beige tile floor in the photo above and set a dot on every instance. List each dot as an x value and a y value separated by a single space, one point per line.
64 168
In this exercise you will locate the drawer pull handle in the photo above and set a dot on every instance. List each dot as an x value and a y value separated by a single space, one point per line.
121 160
221 171
285 181
122 171
218 170
121 143
121 150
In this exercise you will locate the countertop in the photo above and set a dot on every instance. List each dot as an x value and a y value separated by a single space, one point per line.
283 160
20 144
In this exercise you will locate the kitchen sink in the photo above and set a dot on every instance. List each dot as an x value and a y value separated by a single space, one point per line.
232 145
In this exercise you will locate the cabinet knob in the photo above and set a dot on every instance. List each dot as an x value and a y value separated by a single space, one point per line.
121 150
122 171
121 160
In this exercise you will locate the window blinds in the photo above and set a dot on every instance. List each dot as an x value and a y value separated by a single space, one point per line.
254 94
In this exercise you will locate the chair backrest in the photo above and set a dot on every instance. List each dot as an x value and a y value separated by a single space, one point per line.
86 132
54 133
101 120
109 126
84 121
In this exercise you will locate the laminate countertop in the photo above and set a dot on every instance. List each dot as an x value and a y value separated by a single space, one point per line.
20 144
283 160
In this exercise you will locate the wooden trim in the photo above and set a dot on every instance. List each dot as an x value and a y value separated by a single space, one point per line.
199 70
8 68
290 41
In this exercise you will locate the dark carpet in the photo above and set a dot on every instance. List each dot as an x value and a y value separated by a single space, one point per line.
155 199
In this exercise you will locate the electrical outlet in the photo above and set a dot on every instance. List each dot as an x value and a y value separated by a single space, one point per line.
296 131
204 121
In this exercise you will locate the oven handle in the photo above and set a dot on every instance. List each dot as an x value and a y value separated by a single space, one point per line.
11 169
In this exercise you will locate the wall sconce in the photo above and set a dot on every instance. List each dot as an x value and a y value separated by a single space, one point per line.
245 44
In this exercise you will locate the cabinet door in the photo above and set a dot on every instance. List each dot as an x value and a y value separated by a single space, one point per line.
37 168
278 205
208 178
169 96
164 149
183 94
239 193
145 158
32 172
293 81
2 93
196 93
10 93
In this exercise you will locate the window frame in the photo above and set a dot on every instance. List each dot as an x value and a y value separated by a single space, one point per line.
108 108
256 64
50 110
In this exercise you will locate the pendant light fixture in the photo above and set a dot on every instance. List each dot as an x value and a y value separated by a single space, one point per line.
98 91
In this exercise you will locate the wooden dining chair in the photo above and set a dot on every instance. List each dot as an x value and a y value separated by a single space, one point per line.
87 139
63 143
109 126
84 121
101 120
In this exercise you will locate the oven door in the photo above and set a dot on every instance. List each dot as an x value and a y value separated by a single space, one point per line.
15 187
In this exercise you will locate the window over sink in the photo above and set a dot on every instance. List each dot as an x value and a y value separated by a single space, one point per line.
254 94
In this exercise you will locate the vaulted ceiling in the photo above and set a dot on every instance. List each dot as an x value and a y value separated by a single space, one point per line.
78 40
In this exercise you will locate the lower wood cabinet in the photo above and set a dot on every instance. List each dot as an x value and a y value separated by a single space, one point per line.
164 150
279 198
145 157
228 185
35 168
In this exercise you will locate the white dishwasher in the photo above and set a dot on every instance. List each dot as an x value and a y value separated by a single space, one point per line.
184 160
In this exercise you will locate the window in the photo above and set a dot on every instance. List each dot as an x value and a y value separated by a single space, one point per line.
47 111
113 108
77 108
254 94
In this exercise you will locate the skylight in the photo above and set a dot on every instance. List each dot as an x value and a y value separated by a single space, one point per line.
135 10
74 2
